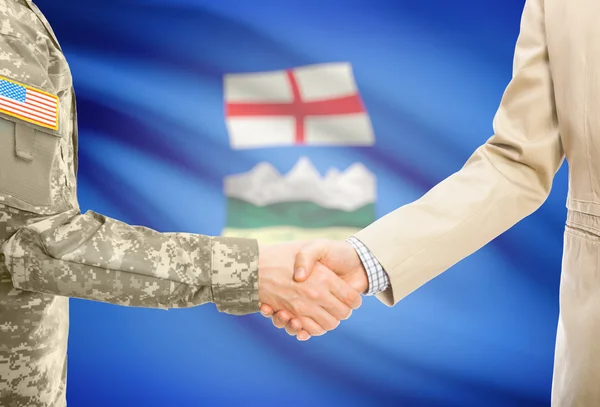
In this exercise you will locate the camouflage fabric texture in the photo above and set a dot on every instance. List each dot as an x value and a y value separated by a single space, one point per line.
51 251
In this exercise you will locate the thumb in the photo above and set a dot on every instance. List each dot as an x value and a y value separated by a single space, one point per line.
307 257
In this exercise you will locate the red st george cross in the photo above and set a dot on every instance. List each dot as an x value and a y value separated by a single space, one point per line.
298 108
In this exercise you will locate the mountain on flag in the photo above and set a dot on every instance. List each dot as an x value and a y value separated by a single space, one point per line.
271 207
310 105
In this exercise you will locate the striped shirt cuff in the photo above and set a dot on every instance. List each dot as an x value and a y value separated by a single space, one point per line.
378 278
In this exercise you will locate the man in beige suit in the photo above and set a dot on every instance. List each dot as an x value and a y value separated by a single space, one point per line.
550 109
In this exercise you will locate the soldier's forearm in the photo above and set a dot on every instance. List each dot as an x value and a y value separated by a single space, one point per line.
94 257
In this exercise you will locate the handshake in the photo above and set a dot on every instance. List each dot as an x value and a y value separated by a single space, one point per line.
309 287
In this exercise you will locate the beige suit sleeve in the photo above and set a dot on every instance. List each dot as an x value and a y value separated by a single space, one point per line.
505 180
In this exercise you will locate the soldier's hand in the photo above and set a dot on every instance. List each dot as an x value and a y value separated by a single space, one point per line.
318 304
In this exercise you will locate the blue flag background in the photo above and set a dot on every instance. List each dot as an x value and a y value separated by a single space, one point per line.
154 150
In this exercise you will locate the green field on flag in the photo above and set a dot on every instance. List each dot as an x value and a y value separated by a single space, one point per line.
244 215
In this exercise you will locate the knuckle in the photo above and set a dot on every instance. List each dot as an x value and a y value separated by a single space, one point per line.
313 294
311 327
304 254
351 297
295 324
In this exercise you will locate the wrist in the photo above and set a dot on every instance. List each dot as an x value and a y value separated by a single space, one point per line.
360 277
235 275
261 275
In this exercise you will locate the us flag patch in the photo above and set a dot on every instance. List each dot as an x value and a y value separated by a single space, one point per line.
29 104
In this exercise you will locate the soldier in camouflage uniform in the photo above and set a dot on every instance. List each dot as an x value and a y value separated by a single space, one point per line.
51 251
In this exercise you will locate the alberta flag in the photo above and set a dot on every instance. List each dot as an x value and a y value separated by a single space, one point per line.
309 105
301 204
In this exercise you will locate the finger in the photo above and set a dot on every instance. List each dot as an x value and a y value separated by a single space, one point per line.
303 336
311 327
336 308
307 257
281 319
321 317
294 327
266 310
327 300
318 303
345 293
295 324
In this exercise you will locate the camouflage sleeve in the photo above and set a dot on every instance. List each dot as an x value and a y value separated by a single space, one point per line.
94 257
